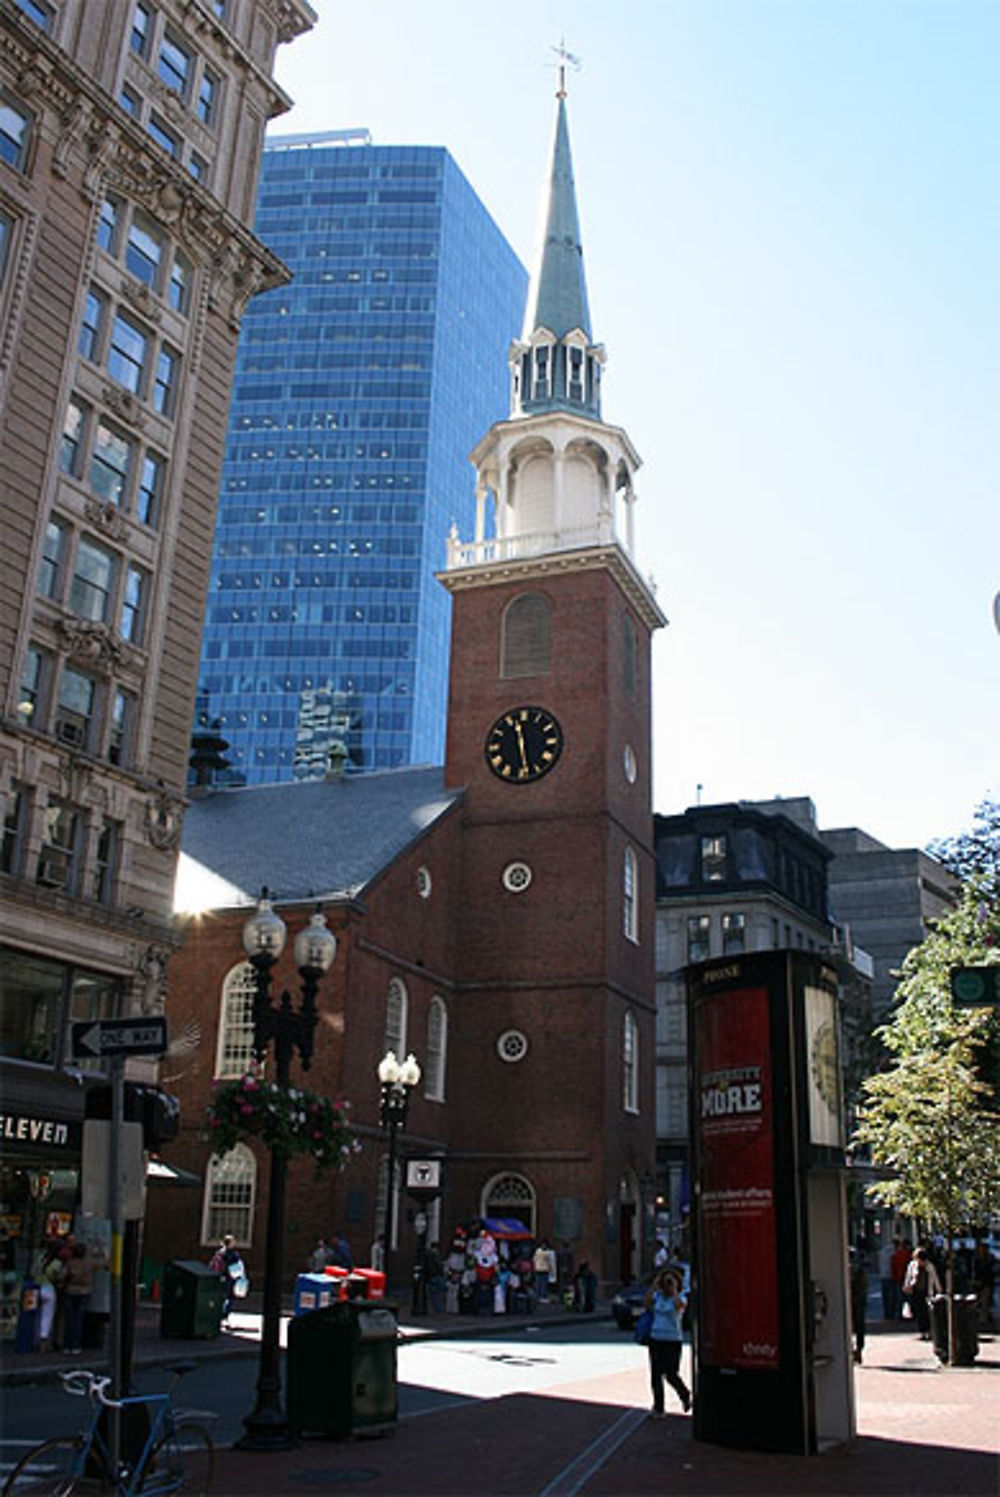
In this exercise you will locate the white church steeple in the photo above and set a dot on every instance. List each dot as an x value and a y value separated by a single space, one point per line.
554 477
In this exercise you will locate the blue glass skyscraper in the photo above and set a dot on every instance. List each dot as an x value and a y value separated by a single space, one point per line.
360 390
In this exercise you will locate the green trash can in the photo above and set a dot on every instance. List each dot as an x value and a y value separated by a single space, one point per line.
193 1296
341 1369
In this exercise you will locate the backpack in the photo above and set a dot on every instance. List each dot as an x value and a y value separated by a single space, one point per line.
217 1262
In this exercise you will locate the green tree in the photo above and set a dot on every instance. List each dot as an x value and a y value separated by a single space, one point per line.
930 1116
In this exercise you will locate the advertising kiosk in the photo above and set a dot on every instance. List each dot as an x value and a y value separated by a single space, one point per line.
772 1359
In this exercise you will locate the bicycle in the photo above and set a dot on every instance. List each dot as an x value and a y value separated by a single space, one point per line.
161 1448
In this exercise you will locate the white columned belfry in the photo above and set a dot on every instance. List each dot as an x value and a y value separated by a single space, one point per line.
559 476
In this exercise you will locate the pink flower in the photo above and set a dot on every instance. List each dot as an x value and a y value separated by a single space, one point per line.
246 1109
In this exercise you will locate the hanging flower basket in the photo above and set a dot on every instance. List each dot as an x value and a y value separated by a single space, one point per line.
291 1121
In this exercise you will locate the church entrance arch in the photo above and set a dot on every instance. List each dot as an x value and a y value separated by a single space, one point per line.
509 1195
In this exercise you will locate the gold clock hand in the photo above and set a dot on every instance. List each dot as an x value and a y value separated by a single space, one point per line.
520 740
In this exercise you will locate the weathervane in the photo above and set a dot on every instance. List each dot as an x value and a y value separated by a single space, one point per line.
564 58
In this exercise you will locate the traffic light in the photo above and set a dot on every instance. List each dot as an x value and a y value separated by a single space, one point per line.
159 1112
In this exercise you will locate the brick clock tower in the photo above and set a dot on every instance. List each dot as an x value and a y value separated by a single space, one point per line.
551 1055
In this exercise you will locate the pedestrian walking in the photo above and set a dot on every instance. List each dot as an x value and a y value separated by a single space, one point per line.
921 1284
544 1265
77 1284
859 1301
666 1301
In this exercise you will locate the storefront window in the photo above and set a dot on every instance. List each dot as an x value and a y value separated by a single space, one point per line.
38 998
31 1013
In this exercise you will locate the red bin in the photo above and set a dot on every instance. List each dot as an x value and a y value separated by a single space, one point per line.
374 1282
334 1271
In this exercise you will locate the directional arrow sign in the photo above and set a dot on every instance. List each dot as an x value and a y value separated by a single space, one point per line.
97 1038
972 987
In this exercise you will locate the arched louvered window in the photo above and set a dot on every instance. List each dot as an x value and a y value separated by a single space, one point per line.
629 656
630 1064
234 1053
437 1050
230 1192
526 645
396 1008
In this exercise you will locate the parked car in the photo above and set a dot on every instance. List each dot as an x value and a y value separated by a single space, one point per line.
629 1303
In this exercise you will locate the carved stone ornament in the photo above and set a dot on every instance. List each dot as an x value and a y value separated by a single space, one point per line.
141 297
151 987
169 101
125 405
92 643
76 778
73 125
107 518
164 819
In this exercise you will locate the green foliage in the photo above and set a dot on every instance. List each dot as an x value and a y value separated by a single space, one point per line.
975 855
289 1121
930 1116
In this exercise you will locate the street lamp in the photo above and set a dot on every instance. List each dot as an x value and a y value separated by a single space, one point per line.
397 1081
315 947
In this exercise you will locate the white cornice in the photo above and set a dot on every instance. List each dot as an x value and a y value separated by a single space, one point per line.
597 558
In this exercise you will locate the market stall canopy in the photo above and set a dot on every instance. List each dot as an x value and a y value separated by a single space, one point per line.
507 1227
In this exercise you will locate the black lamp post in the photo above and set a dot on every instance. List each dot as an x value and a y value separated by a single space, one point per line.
264 936
397 1081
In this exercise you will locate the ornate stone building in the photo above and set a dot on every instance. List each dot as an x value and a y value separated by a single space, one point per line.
130 141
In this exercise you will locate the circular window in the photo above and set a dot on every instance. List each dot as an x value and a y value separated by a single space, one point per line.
424 882
512 1045
629 763
516 877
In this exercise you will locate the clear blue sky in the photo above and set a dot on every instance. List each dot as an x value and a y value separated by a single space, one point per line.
791 220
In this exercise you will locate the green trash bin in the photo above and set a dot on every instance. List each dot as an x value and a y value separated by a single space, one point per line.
341 1369
193 1296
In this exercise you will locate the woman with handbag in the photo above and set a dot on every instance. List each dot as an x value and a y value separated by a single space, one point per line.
665 1303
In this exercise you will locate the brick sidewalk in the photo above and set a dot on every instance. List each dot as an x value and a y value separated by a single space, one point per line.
922 1429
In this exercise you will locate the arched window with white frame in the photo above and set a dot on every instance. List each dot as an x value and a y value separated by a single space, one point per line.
396 1010
511 1196
630 895
437 1050
230 1194
630 1064
234 1051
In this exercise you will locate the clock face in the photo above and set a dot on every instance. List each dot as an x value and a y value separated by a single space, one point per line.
523 744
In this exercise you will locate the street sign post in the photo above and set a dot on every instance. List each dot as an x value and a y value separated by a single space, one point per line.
975 987
99 1039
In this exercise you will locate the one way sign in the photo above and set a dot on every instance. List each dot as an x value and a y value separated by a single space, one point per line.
98 1038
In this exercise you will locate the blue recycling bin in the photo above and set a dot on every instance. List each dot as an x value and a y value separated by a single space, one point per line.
314 1291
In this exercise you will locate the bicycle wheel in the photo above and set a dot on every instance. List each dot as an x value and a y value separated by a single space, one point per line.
50 1470
181 1462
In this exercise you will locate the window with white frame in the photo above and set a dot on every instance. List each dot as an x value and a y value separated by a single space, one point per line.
112 464
234 1054
30 698
630 1064
734 934
93 581
437 1050
713 859
630 895
53 553
105 858
15 822
60 850
396 1008
699 938
134 599
6 235
15 132
75 709
122 716
230 1193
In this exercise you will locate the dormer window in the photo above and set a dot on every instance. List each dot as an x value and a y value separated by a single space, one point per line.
576 374
541 373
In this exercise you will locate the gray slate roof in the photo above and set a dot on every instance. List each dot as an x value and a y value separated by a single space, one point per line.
314 839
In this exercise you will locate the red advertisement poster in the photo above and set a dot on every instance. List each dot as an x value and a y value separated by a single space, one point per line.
738 1309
